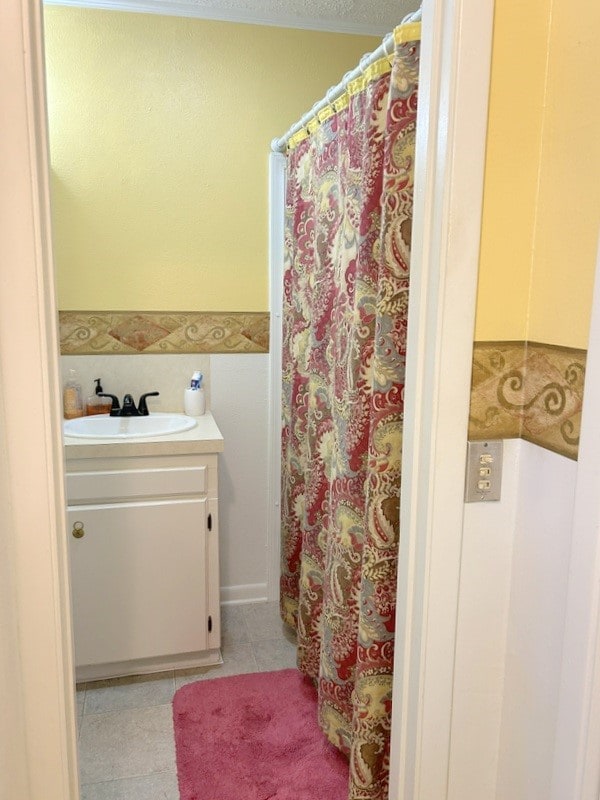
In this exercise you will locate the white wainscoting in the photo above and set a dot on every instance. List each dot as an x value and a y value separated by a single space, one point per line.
538 598
135 374
513 594
484 602
239 403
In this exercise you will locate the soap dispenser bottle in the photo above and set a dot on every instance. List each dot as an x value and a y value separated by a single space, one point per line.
72 397
95 404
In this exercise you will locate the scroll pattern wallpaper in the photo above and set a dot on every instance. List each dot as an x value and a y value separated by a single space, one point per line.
528 390
129 332
519 389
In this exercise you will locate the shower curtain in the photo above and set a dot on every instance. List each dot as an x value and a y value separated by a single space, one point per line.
347 241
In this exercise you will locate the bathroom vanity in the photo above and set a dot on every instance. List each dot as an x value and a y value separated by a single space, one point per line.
143 533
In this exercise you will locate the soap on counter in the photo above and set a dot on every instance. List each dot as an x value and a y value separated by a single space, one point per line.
95 404
72 397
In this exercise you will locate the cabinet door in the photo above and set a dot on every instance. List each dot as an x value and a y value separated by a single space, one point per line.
138 577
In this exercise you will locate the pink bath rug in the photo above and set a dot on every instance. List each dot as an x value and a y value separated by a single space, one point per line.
255 737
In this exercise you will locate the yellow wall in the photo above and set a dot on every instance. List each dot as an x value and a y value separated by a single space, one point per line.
160 130
568 223
542 186
511 171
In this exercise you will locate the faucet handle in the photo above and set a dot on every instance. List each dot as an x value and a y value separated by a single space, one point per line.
142 406
115 407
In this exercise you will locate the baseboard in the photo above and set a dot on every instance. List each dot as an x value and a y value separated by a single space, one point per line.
245 593
146 666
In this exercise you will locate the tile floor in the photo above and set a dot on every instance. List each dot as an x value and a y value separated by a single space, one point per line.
126 745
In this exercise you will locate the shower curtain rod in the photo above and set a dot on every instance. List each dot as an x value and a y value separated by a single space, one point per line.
279 145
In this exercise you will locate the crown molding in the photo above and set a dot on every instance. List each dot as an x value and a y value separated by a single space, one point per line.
174 8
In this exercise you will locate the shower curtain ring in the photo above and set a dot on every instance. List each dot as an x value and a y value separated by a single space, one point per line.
389 47
364 62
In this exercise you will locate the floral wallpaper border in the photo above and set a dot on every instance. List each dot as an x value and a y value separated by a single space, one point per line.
129 332
528 390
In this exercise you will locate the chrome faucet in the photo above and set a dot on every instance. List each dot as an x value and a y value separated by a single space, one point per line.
129 408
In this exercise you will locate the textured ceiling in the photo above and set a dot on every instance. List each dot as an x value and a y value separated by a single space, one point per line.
352 16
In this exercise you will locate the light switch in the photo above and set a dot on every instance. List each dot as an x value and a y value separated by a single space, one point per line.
484 471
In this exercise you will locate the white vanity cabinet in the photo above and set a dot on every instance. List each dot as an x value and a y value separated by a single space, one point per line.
144 557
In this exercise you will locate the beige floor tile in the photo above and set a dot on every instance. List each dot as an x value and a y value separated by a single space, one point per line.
126 737
273 654
238 659
263 621
138 691
233 625
125 744
162 786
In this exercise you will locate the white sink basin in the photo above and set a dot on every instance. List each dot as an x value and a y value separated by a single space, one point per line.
103 426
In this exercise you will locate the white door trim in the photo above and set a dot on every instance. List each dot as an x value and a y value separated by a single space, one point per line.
32 504
451 135
576 772
456 49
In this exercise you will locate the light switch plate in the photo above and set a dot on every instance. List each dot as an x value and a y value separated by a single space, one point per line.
484 471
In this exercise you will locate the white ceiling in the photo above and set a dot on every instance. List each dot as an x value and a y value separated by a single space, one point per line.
377 17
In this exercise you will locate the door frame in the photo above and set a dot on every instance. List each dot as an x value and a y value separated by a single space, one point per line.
36 637
450 159
455 65
576 768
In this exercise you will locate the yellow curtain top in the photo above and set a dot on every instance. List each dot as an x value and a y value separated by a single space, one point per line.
410 32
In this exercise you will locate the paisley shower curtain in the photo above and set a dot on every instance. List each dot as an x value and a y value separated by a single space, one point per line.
348 234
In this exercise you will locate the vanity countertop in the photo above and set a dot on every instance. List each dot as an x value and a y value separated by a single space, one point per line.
204 437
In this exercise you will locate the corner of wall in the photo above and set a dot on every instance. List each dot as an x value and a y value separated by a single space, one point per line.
528 390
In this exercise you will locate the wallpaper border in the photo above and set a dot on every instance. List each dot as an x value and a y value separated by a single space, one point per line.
528 390
129 332
519 389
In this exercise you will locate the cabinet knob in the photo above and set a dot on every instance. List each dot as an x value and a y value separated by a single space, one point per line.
78 530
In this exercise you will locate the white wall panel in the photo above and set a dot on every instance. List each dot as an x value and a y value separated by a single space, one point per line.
513 594
481 636
135 374
239 403
538 597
